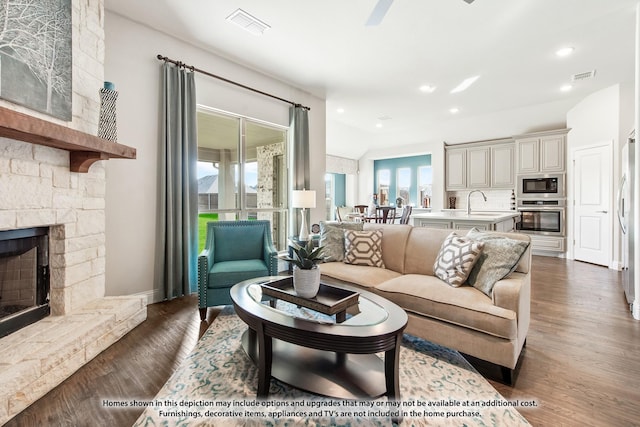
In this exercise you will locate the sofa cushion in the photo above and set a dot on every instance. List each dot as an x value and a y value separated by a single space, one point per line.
394 242
332 238
367 277
499 257
423 247
465 306
457 256
363 248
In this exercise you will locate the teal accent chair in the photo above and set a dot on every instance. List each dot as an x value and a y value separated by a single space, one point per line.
234 251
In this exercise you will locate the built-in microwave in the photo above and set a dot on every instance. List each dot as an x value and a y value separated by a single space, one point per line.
541 186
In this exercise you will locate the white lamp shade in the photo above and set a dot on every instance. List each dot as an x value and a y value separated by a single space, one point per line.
303 199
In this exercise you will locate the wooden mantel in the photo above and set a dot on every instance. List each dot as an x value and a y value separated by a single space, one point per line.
84 149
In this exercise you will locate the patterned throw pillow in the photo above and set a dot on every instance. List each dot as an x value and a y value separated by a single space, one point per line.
499 258
456 259
332 238
363 248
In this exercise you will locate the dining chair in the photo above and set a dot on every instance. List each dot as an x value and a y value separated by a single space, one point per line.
342 212
385 214
362 210
406 213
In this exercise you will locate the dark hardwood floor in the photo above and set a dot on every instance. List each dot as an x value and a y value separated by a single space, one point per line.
581 363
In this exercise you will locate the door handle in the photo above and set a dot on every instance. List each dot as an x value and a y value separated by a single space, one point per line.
621 202
602 211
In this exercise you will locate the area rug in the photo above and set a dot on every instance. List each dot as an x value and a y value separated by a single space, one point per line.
216 386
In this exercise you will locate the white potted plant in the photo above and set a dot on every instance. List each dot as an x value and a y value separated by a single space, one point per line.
306 274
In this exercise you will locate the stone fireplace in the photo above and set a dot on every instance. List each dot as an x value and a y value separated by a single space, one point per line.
24 278
39 191
42 186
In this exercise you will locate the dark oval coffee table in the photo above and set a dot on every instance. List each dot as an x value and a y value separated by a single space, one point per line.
314 352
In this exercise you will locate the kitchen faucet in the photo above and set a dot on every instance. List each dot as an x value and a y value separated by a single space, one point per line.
469 200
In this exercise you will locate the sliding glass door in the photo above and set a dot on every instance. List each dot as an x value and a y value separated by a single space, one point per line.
242 171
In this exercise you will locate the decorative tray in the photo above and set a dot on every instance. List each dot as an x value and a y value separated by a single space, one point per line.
330 299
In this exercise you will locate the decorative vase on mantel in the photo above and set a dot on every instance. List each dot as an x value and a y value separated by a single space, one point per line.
107 128
306 283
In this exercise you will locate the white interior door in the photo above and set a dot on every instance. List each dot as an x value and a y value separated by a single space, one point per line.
592 209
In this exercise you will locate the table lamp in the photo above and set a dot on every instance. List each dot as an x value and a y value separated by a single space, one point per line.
303 199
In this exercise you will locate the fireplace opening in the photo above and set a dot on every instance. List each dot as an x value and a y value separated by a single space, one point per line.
24 278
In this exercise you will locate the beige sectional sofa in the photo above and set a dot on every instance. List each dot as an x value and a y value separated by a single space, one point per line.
463 318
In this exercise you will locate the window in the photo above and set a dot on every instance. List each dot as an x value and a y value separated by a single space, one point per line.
384 183
335 193
403 187
242 172
424 186
406 178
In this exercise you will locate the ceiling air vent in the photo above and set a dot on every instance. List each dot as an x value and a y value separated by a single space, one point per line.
248 22
583 76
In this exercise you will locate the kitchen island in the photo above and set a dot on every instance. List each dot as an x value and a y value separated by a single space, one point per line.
459 220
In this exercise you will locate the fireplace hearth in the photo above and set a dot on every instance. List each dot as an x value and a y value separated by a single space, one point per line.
24 278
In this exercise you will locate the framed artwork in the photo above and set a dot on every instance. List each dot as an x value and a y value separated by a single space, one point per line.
36 55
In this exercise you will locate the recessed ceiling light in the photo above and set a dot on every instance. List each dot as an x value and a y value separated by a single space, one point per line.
454 110
565 51
566 88
248 22
340 110
427 88
378 125
465 84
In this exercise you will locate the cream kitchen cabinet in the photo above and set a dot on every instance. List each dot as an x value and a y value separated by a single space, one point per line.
459 220
432 223
503 162
547 244
542 152
480 165
456 168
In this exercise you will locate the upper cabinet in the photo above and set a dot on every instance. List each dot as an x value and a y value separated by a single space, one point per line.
503 165
478 167
456 166
542 152
487 164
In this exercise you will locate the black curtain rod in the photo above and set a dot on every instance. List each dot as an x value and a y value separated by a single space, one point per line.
206 73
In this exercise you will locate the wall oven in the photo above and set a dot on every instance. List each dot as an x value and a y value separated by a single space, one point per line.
541 186
545 217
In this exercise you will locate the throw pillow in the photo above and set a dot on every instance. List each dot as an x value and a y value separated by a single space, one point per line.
456 258
332 238
499 258
363 248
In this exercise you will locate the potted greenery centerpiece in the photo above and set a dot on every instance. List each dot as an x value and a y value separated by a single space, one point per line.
306 274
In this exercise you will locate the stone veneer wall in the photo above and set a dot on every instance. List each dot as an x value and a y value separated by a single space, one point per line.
37 189
40 189
343 165
267 155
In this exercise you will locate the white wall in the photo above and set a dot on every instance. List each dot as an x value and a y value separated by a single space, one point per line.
130 62
604 116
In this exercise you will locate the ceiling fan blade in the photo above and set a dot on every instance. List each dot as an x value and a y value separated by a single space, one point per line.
379 11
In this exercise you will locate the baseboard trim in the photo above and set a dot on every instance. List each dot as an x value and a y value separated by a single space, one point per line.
635 309
153 296
616 265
